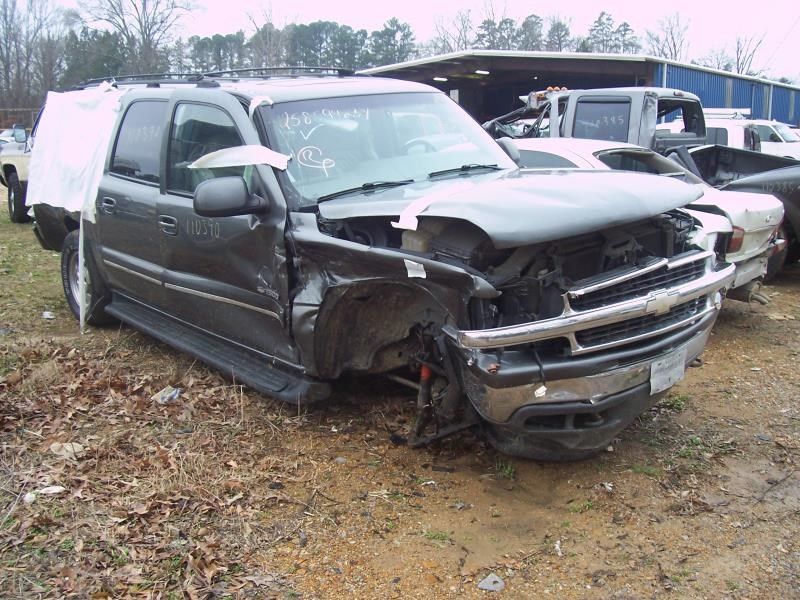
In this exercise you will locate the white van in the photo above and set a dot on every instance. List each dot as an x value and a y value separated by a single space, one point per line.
778 139
770 137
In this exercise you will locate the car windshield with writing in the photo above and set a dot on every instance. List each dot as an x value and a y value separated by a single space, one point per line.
338 144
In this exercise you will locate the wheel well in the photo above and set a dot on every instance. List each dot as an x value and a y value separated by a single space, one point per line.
370 326
70 223
7 171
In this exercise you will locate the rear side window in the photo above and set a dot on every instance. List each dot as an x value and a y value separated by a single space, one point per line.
138 146
602 120
628 162
534 159
717 135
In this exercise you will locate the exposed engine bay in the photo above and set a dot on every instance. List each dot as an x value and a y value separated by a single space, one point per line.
532 278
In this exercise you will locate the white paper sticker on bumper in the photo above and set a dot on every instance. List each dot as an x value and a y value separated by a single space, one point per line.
666 372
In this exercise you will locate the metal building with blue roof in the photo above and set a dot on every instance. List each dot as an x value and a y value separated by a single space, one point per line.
489 82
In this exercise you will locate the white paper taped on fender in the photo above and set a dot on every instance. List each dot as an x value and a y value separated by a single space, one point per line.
415 269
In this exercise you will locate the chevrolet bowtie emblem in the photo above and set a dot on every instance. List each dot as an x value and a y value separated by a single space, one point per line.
660 302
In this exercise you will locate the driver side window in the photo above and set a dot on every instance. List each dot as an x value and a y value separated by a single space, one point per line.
197 130
767 134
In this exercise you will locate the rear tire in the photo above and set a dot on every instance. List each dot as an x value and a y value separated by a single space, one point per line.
17 211
97 294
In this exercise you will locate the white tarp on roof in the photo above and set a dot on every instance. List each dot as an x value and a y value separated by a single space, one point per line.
71 145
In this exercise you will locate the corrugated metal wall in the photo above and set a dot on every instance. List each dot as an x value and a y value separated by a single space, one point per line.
783 108
723 91
709 86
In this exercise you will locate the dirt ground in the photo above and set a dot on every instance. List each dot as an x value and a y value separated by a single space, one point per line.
223 493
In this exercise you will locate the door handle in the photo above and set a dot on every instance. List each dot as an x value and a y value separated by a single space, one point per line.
168 224
108 205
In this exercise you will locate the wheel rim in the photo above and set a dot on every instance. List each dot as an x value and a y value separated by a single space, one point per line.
73 273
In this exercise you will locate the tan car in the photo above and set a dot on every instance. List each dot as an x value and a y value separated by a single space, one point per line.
14 160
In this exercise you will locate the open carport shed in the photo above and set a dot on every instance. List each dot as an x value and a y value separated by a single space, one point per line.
488 83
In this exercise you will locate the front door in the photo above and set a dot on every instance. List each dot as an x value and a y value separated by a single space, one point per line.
225 275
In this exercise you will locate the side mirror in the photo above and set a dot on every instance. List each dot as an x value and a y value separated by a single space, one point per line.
510 148
226 197
774 137
20 135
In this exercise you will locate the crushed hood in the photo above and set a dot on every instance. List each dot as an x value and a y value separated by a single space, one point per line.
521 208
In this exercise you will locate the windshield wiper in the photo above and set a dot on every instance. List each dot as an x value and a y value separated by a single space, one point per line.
465 169
365 187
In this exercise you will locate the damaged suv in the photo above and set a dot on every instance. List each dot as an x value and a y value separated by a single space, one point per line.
288 230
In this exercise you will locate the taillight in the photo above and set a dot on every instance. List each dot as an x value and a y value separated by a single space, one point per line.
736 241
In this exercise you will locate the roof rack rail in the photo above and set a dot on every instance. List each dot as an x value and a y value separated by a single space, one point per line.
267 72
145 78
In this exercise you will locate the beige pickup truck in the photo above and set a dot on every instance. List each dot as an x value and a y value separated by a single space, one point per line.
14 160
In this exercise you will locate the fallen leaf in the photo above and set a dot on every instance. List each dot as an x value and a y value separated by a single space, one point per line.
69 451
230 501
13 378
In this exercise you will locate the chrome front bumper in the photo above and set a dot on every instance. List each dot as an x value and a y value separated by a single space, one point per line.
498 404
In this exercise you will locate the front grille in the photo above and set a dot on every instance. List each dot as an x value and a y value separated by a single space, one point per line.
606 334
640 286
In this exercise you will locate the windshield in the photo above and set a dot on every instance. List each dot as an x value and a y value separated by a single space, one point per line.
786 133
343 143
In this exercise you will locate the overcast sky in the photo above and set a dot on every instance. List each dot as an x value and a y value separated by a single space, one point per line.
712 25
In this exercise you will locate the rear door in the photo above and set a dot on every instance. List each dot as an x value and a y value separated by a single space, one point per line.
225 275
127 234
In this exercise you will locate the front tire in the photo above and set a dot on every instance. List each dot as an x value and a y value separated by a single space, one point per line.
17 210
97 295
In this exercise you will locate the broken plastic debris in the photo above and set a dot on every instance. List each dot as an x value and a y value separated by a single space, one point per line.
166 396
492 583
415 269
29 498
52 490
48 315
558 548
540 391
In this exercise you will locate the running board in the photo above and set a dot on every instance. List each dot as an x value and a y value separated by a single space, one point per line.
235 362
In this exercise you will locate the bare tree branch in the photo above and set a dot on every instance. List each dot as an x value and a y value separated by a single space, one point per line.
145 25
670 39
745 51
